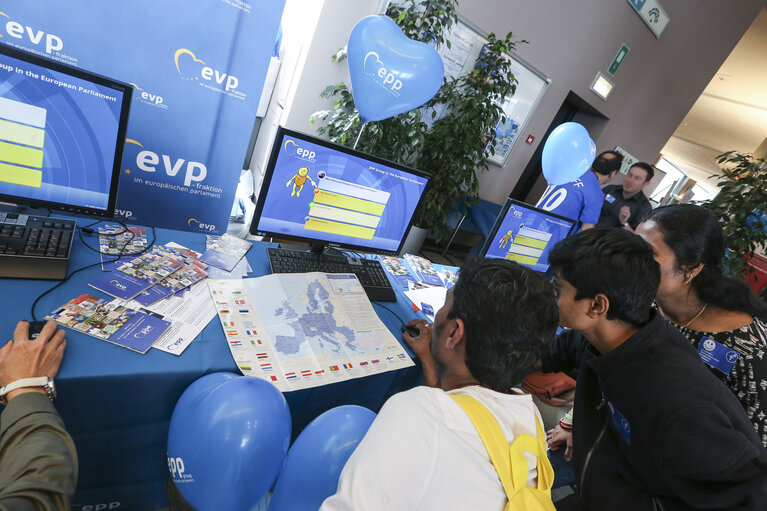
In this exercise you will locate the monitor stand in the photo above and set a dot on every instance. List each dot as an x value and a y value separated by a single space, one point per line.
315 248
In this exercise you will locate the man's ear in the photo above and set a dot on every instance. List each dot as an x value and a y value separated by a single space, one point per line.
613 174
456 331
599 306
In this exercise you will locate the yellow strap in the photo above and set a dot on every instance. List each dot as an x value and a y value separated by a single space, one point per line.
513 476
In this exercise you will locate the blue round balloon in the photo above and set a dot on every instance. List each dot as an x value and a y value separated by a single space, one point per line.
567 153
390 73
227 440
314 463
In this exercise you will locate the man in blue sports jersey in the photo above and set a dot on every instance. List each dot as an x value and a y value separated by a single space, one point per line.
582 199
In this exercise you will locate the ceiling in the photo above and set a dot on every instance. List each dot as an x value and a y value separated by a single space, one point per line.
731 113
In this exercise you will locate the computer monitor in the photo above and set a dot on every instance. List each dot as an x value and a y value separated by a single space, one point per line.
329 195
62 131
526 234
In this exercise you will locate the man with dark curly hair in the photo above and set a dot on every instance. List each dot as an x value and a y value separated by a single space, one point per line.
423 451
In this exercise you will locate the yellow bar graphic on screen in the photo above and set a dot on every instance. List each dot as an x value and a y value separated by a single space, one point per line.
521 259
22 134
530 242
20 175
22 155
344 215
355 231
346 202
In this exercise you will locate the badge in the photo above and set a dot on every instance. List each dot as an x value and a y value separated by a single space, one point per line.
717 355
609 198
621 423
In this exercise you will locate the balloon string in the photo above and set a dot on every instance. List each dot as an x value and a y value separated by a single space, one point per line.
359 135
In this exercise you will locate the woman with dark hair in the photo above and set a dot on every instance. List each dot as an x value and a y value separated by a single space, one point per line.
720 315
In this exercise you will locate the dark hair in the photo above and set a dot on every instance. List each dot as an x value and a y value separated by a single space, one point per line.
613 262
694 235
509 314
646 167
607 162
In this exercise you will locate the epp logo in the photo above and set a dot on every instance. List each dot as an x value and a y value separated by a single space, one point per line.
176 467
385 77
709 345
147 160
100 507
200 225
124 213
19 31
294 149
116 284
143 332
148 97
230 82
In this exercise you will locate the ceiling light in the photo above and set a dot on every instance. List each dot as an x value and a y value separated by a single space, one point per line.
601 86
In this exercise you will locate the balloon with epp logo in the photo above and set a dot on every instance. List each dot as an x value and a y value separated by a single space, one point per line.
227 440
567 153
314 463
390 73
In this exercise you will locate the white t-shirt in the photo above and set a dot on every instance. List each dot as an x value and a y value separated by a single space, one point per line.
422 452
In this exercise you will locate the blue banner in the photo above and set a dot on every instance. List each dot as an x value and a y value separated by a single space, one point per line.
197 69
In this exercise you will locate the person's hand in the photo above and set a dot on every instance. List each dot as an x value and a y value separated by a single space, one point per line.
624 214
421 349
25 358
559 436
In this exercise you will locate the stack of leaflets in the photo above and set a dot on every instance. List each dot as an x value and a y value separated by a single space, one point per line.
116 241
424 271
139 274
225 251
110 322
397 269
190 273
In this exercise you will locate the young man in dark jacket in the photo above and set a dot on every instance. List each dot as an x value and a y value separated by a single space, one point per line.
653 428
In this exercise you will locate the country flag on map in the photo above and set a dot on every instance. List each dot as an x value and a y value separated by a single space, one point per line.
248 323
306 373
236 292
262 355
334 368
232 332
402 356
228 323
224 311
266 367
244 311
245 368
235 343
218 292
219 302
250 332
240 302
375 361
291 376
347 366
319 372
364 363
274 378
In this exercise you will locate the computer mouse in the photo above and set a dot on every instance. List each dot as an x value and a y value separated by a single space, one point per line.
35 327
412 331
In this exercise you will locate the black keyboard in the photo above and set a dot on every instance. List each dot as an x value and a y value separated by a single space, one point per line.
35 247
368 271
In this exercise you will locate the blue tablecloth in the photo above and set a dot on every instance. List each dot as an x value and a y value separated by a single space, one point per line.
117 403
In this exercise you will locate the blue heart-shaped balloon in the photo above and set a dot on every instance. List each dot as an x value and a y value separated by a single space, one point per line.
390 73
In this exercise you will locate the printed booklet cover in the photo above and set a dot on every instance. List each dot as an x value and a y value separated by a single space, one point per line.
114 240
424 270
225 251
137 275
397 269
192 272
110 322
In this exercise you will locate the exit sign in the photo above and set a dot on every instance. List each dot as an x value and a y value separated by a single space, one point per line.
618 60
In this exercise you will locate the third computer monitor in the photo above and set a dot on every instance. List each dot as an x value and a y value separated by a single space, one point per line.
326 194
526 235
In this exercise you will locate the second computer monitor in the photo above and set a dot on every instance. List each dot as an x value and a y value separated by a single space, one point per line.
526 234
322 193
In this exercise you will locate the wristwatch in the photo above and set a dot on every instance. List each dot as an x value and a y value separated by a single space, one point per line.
40 381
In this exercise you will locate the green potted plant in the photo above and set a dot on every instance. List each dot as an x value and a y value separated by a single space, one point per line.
741 206
452 147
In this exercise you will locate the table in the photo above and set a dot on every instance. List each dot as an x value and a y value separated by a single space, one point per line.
117 403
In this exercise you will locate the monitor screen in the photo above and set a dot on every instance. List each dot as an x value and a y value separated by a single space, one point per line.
526 234
323 193
62 132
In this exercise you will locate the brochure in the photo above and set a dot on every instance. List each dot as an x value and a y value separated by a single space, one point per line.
137 275
424 270
190 273
115 241
397 269
110 322
225 251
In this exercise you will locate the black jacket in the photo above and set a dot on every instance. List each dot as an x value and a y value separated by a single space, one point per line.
654 429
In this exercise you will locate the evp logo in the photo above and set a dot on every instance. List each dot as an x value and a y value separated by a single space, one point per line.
126 213
196 69
148 161
148 98
375 68
293 149
118 285
14 29
178 471
143 332
193 223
